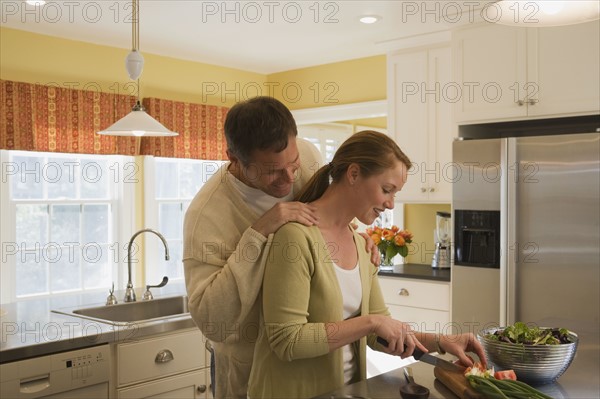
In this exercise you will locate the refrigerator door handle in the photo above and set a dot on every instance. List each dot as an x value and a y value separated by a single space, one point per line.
508 240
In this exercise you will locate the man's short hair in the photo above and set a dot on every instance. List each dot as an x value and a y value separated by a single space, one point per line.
259 123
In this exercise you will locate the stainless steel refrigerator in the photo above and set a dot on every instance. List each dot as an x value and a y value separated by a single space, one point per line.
526 236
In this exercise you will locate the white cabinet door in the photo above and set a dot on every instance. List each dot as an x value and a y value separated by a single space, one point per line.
192 385
441 127
420 99
509 73
409 115
565 64
491 71
423 304
423 320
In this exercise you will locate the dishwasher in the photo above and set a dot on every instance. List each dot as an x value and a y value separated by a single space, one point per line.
80 374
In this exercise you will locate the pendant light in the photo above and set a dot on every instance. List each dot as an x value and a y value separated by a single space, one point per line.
541 13
137 123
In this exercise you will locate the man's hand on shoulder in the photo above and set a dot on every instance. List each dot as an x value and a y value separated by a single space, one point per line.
282 213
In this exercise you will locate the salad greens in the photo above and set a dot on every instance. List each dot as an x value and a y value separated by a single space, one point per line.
520 333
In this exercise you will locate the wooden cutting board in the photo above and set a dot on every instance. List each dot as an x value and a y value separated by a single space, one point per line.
457 383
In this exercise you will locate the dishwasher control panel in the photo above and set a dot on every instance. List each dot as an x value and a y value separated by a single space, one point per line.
57 373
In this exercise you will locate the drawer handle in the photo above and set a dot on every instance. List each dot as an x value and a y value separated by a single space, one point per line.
403 292
164 356
201 388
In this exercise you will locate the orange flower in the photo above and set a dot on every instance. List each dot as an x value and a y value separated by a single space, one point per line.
376 238
407 235
388 234
399 240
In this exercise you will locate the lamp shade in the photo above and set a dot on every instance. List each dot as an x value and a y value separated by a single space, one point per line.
541 13
137 124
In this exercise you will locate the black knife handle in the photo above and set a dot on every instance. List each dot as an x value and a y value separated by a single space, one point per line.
417 353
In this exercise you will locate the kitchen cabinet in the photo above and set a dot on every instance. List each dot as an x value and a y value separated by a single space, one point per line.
420 92
190 385
423 304
506 73
169 365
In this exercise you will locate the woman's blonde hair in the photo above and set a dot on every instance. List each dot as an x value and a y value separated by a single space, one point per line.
372 151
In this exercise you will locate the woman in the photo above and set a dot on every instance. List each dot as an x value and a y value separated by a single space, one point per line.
321 299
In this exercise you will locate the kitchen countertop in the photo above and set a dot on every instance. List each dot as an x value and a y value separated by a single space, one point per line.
418 271
579 381
29 328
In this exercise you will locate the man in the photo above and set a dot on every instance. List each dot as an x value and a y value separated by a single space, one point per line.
230 224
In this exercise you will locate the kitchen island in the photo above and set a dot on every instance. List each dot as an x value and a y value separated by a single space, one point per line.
580 381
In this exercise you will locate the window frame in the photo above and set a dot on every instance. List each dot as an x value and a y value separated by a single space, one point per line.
121 200
152 207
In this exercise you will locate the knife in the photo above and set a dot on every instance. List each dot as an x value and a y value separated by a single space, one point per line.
418 354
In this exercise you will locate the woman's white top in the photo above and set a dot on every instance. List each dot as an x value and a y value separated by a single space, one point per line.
351 287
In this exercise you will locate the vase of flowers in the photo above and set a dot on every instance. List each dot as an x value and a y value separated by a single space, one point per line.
390 242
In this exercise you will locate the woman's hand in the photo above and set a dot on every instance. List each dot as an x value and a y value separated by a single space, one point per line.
459 344
400 337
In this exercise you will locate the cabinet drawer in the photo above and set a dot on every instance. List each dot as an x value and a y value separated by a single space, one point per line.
420 294
138 361
192 385
423 320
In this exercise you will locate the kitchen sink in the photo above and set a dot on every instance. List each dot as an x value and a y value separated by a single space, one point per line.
133 312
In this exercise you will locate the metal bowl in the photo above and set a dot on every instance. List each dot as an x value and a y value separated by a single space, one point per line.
538 364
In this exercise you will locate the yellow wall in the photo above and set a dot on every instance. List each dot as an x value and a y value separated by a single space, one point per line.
345 82
34 58
420 220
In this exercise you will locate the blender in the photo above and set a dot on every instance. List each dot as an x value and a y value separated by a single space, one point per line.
441 256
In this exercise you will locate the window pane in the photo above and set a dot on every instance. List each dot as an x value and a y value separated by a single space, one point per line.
64 224
59 174
166 179
32 225
32 273
97 269
27 178
64 267
190 179
170 220
171 268
96 223
174 264
94 179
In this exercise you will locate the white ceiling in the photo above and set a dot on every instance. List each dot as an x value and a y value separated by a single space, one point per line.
258 36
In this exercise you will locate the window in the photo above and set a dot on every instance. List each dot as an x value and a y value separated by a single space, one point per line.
327 137
61 224
170 186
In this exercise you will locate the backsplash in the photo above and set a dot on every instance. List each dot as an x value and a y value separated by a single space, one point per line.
420 220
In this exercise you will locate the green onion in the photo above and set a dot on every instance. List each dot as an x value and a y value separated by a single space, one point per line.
505 389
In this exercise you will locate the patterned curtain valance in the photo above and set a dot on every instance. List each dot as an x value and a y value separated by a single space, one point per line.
200 129
36 117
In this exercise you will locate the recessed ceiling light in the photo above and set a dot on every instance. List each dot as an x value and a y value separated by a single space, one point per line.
36 2
369 19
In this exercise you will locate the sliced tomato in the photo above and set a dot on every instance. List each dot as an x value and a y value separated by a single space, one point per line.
505 375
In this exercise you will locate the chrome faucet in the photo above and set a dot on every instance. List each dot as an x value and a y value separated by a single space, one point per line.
129 292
